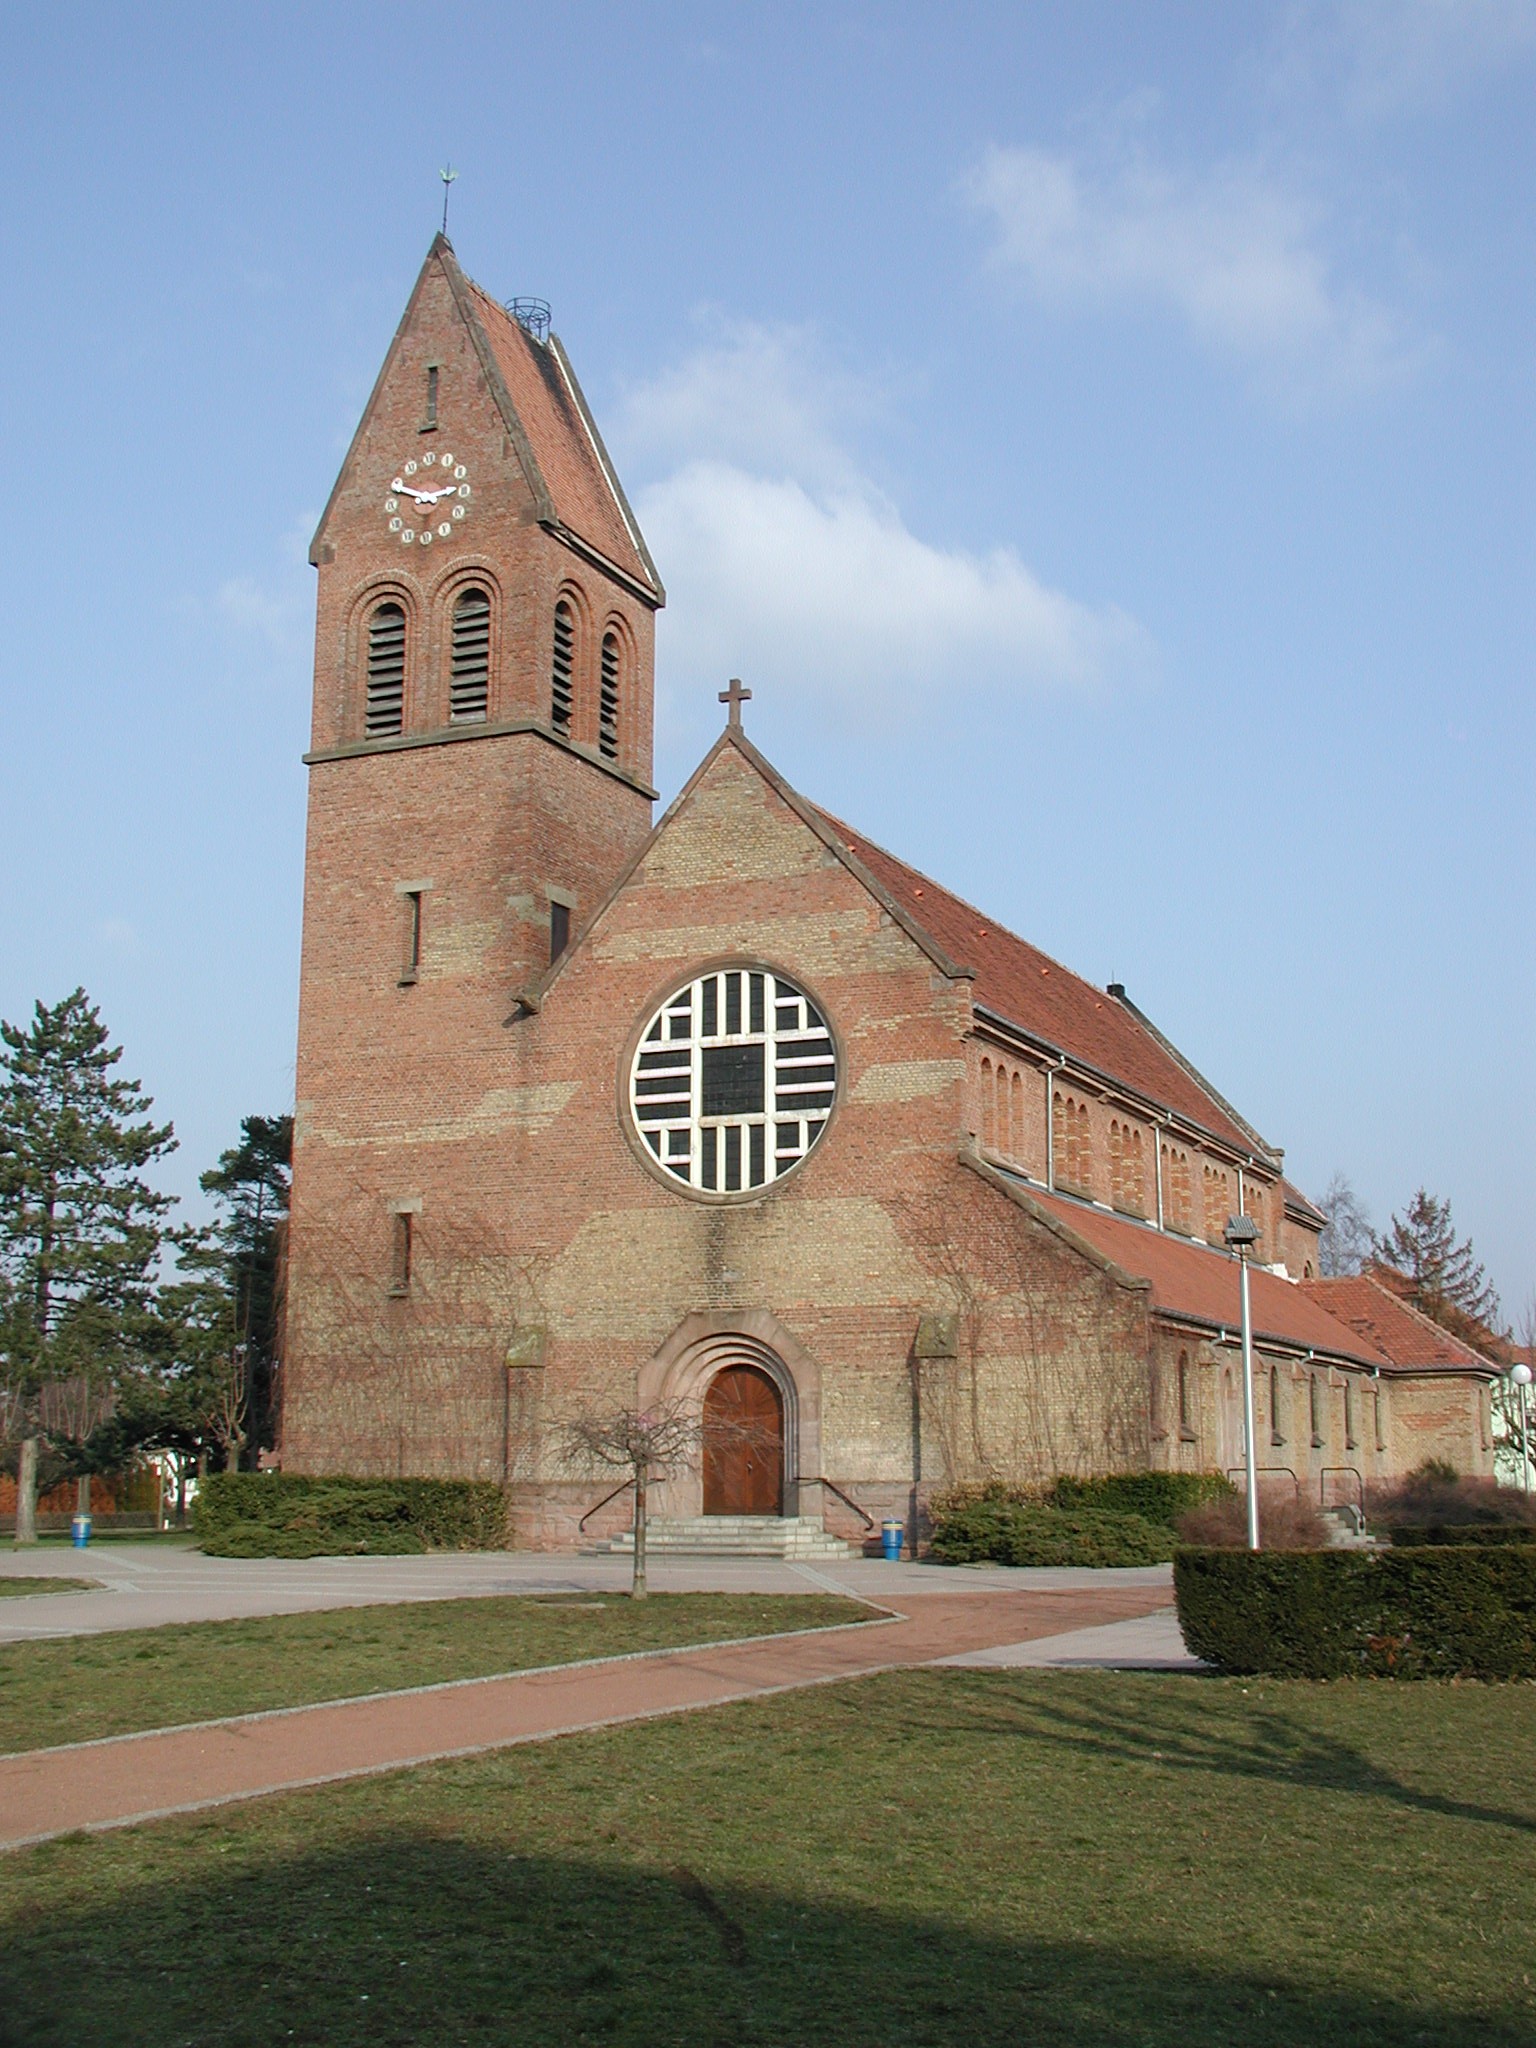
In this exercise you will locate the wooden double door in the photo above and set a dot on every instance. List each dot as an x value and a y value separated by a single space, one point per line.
743 1443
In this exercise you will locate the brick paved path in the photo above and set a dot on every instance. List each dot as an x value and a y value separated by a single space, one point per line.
141 1777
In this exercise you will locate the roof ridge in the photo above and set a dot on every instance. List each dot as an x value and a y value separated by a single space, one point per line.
1407 1308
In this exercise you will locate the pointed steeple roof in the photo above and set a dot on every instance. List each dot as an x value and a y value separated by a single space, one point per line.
575 486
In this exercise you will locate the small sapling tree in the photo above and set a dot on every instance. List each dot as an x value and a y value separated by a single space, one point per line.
648 1444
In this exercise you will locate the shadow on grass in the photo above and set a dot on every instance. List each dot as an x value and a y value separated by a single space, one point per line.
1197 1732
409 1941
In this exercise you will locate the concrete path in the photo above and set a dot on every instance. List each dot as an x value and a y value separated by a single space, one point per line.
147 1585
124 1779
1146 1642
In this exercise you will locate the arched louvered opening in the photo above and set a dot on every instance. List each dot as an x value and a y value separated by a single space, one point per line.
469 685
563 669
608 699
385 711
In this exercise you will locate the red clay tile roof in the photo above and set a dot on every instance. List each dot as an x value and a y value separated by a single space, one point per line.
1045 999
1407 1337
1193 1280
562 438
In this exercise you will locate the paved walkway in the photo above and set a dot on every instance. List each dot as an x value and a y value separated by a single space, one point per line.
1145 1642
145 1585
132 1778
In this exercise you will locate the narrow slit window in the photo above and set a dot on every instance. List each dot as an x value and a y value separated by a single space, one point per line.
1315 1411
431 418
559 930
1276 1418
400 1253
1351 1436
410 962
469 687
385 711
563 669
1186 1406
608 700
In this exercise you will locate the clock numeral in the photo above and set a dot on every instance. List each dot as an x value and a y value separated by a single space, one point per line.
458 511
408 535
460 471
463 490
446 459
425 536
410 469
396 524
428 459
444 530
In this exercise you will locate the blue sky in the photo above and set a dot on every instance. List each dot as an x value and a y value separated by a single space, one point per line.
1100 434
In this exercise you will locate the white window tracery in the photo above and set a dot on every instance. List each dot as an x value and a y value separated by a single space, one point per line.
733 1080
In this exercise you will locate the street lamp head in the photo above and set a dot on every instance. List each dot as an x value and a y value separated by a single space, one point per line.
1521 1375
1241 1234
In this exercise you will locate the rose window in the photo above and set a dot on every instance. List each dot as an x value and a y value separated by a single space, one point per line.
733 1080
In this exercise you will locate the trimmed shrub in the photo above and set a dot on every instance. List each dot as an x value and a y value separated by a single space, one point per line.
1462 1532
1452 1611
281 1514
1155 1496
1285 1523
993 1529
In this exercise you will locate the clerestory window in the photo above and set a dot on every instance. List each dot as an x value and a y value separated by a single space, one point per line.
469 686
385 710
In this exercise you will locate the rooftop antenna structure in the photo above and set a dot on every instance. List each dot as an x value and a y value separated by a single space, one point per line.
447 174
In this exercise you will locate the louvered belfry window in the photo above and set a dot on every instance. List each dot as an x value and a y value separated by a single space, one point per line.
608 700
386 671
733 1080
469 686
563 670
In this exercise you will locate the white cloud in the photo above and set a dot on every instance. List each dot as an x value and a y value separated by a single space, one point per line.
1233 254
787 563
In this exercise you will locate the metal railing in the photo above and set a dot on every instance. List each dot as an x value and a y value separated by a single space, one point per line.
623 1486
819 1480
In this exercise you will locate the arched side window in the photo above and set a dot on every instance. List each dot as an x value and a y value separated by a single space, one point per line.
988 1107
1178 1197
1002 1112
469 682
1216 1209
1315 1412
562 676
1155 1404
1186 1401
1351 1434
1017 1128
384 712
608 697
1276 1408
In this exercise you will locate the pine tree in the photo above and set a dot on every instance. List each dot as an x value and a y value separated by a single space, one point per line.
244 1249
80 1229
1444 1279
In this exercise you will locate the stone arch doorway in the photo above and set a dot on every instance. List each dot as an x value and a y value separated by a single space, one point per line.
699 1350
743 1443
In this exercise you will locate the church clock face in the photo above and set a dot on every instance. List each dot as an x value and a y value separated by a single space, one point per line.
733 1081
428 499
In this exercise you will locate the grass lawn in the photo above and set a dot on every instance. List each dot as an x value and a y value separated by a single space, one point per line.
13 1585
931 1857
77 1687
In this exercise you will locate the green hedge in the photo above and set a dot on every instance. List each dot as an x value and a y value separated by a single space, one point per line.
996 1530
1448 1611
281 1514
1461 1532
1155 1496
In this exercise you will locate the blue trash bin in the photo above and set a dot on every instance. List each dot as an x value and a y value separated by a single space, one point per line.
80 1531
891 1533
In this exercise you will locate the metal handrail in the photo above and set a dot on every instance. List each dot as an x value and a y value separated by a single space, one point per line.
1359 1478
623 1487
867 1520
1240 1472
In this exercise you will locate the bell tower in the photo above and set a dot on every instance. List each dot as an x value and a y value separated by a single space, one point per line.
480 754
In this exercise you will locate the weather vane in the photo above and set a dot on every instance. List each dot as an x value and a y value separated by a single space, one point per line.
447 174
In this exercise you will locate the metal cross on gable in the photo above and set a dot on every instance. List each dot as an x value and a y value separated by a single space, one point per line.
735 696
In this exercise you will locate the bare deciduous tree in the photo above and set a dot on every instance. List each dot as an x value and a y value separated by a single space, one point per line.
649 1444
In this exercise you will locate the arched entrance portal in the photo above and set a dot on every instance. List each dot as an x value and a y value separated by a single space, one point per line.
743 1443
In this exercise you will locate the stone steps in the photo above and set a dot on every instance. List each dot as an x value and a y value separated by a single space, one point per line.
788 1536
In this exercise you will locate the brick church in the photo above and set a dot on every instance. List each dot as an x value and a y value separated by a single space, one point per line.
735 1109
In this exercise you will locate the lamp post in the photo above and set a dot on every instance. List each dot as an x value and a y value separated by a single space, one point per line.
1520 1375
1241 1235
